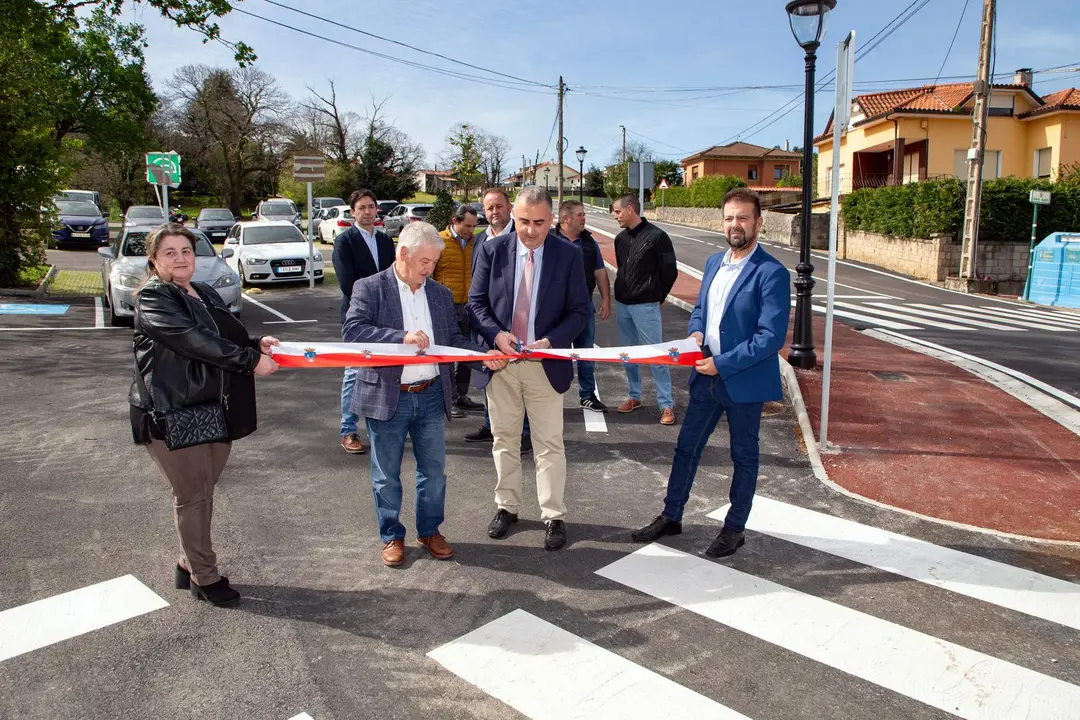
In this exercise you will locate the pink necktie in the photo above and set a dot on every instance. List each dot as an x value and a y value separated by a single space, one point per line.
520 325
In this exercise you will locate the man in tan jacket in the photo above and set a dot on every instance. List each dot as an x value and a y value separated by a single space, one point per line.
454 270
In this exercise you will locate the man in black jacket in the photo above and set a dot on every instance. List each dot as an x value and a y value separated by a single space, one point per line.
359 252
646 273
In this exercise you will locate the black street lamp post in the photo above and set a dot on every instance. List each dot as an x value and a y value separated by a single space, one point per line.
581 152
807 18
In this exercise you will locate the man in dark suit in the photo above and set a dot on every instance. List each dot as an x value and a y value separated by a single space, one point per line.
359 252
528 291
404 305
741 321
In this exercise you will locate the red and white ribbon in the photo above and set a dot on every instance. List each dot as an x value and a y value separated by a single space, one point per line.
296 355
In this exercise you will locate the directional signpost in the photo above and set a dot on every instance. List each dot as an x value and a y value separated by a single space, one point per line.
163 168
311 168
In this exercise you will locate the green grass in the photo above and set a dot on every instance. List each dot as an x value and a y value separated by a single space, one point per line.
31 277
420 197
73 283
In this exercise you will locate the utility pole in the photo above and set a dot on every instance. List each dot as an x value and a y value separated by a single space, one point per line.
523 170
976 155
623 144
562 92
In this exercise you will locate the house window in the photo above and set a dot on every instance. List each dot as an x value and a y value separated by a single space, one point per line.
1042 162
694 173
751 172
779 172
1002 105
911 168
991 164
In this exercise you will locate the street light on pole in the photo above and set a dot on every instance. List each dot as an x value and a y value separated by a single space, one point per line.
807 19
547 184
581 153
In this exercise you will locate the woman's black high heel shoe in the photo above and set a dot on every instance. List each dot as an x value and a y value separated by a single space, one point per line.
182 577
218 594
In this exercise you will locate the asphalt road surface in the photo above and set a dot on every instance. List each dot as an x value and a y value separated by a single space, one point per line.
833 609
1043 343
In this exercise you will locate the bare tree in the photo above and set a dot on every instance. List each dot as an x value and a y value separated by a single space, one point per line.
635 150
236 122
495 150
335 131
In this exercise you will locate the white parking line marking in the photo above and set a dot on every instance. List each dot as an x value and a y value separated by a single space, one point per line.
287 322
988 580
302 716
939 673
267 308
45 622
547 673
58 329
878 322
99 313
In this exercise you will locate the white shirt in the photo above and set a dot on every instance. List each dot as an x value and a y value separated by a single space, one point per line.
726 275
519 274
415 316
373 246
506 228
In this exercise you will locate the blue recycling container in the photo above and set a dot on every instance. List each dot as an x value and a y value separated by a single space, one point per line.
1055 272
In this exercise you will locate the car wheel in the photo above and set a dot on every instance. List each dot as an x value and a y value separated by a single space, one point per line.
114 319
244 283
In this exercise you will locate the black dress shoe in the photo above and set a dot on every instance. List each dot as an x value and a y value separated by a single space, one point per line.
726 543
182 577
554 534
456 412
481 434
467 403
218 594
526 445
657 529
500 524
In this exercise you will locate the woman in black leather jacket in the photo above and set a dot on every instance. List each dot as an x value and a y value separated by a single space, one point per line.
190 351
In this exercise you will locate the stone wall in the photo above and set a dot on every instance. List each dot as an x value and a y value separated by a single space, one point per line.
777 227
707 218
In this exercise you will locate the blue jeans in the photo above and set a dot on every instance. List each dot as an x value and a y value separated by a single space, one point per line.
709 401
421 415
586 370
640 325
349 419
487 419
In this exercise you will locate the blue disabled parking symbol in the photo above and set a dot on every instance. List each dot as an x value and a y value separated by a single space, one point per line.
28 309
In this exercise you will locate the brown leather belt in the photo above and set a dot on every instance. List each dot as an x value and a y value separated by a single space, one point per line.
419 387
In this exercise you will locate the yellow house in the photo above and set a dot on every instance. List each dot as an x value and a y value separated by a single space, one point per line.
903 136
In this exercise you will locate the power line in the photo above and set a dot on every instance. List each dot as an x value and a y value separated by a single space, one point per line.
406 45
952 42
441 71
644 137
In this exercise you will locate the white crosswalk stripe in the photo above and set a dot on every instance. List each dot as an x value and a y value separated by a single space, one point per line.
918 313
1059 318
989 315
898 315
901 316
864 318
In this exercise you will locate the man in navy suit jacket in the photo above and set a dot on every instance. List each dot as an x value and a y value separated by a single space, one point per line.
359 252
741 321
528 290
404 305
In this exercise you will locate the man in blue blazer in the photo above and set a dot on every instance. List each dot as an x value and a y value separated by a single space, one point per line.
741 321
404 305
528 290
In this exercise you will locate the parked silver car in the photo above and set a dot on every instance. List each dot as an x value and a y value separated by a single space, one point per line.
143 216
402 215
123 269
278 209
215 223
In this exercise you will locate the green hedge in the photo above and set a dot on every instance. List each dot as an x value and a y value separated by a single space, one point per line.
706 192
918 210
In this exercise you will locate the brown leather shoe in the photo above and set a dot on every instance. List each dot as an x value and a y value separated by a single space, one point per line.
437 546
628 405
667 416
351 444
393 553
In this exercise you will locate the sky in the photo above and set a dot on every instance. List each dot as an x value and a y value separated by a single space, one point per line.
628 63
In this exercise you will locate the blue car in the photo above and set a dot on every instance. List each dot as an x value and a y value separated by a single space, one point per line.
80 223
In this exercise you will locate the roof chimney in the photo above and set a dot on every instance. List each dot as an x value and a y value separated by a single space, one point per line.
1022 77
787 145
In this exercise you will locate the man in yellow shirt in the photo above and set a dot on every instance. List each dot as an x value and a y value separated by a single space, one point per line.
454 270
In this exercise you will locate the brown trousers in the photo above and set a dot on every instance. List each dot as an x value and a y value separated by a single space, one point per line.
193 472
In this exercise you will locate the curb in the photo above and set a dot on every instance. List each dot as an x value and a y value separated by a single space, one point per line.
792 389
37 292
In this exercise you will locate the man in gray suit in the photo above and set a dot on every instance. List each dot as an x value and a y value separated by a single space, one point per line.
403 305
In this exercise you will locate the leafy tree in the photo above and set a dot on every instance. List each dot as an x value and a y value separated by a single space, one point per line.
442 211
594 181
668 170
791 181
465 155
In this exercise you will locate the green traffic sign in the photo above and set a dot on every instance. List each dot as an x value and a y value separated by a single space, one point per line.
163 168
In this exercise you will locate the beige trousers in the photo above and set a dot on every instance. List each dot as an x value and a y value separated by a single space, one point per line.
519 388
193 472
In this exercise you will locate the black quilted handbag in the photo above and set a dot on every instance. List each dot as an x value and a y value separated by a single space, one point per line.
195 425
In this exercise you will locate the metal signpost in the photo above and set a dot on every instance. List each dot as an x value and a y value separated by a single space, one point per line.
639 177
1037 198
663 187
163 169
845 55
311 168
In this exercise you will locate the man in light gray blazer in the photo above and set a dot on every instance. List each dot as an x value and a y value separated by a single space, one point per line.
402 304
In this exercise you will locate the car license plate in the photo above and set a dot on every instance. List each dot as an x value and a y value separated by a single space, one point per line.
290 269
80 235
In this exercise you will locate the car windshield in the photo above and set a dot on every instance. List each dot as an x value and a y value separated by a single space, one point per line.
421 211
330 202
135 246
77 196
145 212
216 215
256 235
388 204
278 208
68 207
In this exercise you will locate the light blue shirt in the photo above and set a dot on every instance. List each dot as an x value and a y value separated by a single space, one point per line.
723 281
519 274
373 246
